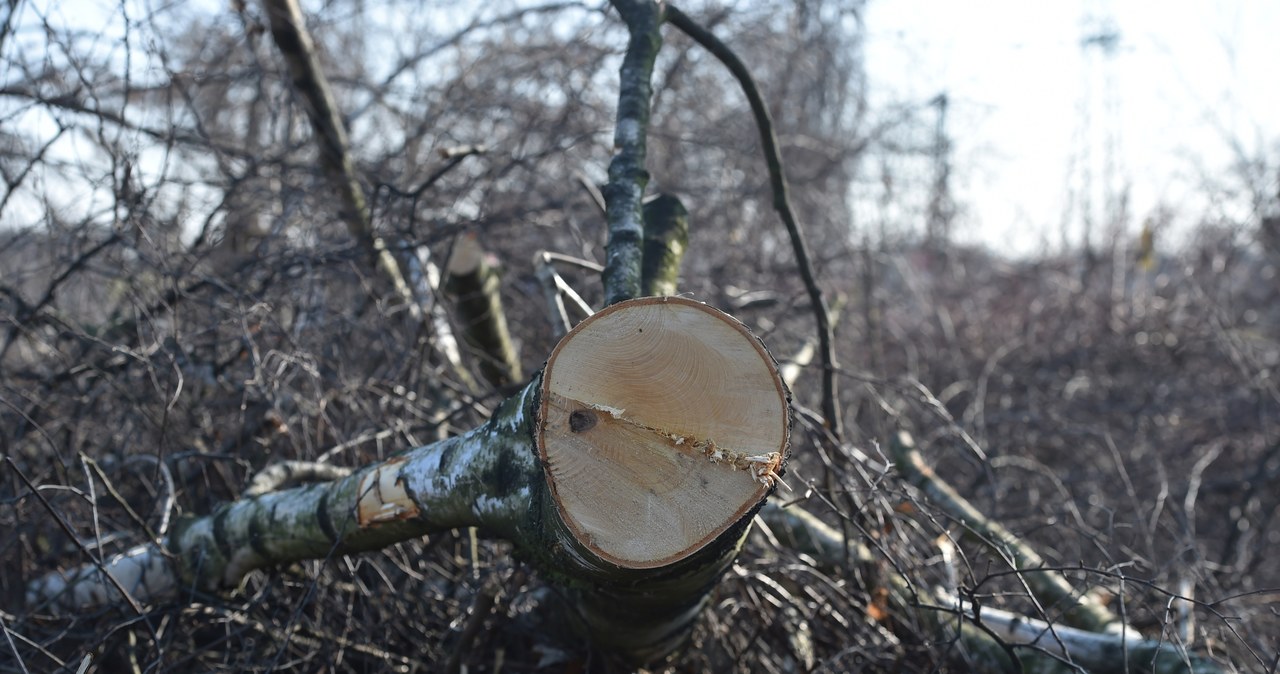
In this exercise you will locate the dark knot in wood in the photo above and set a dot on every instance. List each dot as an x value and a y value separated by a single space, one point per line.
582 420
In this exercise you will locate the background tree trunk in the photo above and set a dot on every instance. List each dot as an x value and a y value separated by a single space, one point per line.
474 284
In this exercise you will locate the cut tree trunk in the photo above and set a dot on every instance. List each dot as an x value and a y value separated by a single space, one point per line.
627 472
656 442
474 285
666 236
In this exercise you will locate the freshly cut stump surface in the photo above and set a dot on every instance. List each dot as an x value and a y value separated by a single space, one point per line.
663 421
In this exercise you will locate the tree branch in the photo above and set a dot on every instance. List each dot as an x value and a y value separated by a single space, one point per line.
481 478
1079 609
633 493
627 175
993 639
666 237
781 203
474 284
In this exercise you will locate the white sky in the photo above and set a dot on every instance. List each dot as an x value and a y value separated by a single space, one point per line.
1188 75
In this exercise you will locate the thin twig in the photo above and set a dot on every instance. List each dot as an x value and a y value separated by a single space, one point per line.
575 261
453 156
549 280
170 492
8 637
115 495
51 293
592 191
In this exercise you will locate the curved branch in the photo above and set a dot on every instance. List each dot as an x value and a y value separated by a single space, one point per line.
781 203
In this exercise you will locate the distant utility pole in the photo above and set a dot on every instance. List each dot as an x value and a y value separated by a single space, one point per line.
941 205
1096 145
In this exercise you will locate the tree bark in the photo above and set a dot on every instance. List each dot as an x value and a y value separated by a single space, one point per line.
627 175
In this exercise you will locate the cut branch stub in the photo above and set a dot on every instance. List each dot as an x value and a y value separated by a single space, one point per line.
663 422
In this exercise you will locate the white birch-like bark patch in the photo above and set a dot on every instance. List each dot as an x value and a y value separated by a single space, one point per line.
488 506
627 133
383 497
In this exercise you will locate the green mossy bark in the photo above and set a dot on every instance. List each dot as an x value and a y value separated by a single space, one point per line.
481 478
489 478
634 616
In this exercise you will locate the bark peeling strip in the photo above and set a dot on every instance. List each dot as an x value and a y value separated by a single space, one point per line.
383 497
